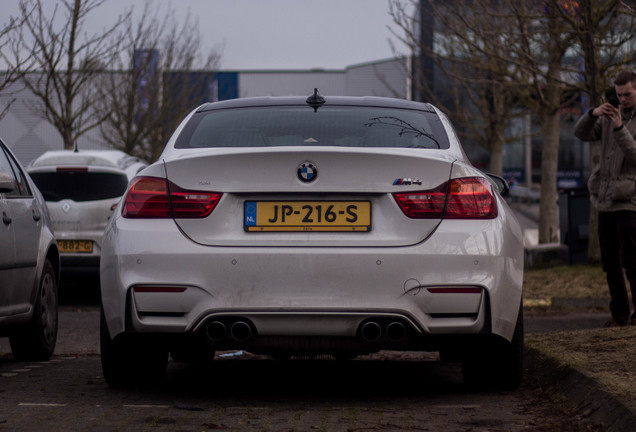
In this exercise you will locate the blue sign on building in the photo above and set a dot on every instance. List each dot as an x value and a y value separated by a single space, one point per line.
569 179
224 86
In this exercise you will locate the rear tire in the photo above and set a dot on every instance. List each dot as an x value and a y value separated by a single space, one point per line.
495 363
131 360
36 340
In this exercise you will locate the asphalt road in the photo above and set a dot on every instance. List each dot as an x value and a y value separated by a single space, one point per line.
241 392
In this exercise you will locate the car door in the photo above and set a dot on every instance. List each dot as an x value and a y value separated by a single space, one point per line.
7 242
21 216
7 257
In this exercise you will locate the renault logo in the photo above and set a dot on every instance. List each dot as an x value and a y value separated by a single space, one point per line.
66 207
307 172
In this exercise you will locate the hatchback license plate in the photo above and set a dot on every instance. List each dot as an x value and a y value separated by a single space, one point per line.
308 216
75 246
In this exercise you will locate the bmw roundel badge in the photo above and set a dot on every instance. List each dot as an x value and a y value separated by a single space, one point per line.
307 172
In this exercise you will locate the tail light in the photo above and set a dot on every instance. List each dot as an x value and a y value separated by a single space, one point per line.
423 205
156 198
463 198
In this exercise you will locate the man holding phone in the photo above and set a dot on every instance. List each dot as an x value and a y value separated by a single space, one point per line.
612 187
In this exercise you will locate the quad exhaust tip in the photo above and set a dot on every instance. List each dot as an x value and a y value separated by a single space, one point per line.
239 331
217 331
372 331
396 331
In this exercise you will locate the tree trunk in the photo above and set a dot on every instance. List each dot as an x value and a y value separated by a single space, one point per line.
496 149
548 216
67 137
496 159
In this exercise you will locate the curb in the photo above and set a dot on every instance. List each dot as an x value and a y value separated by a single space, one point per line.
539 255
582 392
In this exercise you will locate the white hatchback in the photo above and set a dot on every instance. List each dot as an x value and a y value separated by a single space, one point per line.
313 226
81 189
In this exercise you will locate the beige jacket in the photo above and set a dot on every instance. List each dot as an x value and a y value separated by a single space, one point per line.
612 184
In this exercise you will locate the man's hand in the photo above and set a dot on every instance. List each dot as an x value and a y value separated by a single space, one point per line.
610 111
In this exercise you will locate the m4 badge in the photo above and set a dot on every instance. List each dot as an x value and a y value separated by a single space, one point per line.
407 181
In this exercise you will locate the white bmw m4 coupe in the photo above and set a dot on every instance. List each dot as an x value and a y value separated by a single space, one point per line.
306 226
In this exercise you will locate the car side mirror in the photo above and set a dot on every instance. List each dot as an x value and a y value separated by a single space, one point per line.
6 182
502 184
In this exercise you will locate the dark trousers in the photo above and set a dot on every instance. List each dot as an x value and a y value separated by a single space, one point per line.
617 237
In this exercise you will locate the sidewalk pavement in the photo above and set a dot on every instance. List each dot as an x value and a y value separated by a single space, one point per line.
609 403
563 351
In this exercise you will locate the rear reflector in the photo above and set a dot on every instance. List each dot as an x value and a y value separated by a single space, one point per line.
157 198
463 198
455 290
159 289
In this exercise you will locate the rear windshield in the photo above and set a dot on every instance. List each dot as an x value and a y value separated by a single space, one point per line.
80 185
329 126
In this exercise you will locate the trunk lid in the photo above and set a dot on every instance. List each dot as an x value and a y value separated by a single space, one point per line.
343 176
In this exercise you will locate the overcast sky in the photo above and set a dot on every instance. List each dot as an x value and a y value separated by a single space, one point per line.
276 34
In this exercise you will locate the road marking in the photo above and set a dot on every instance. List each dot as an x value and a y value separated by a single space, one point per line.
28 368
146 406
456 406
41 404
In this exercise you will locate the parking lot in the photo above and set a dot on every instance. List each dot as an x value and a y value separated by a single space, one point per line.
239 391
255 394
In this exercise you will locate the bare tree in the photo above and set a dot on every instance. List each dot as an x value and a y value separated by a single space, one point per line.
510 51
538 46
59 60
156 83
8 76
465 45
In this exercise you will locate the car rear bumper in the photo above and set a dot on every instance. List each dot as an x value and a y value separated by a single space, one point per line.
453 283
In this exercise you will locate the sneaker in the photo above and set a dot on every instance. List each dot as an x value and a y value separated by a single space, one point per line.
614 323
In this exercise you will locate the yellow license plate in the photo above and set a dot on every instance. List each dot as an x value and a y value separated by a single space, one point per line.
307 216
75 246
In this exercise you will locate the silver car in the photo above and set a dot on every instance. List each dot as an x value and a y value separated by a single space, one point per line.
29 265
81 189
312 226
